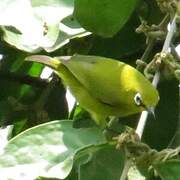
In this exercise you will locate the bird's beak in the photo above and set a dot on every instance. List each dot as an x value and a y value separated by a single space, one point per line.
150 110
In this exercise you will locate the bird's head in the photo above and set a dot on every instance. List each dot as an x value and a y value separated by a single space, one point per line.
143 94
146 100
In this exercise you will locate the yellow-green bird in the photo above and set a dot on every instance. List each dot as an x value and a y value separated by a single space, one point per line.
104 87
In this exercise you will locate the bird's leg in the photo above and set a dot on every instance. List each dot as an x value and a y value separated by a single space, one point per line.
113 128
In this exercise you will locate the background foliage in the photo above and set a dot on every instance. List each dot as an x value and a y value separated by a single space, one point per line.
39 146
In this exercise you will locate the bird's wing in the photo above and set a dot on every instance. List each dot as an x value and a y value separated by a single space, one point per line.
103 77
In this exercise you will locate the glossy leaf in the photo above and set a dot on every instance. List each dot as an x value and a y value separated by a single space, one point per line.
105 17
167 115
169 170
46 150
118 46
32 25
106 163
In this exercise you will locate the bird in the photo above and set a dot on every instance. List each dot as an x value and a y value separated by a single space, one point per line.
104 87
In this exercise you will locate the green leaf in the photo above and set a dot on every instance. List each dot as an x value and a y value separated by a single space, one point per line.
119 46
69 29
40 25
167 115
46 150
105 17
168 170
106 163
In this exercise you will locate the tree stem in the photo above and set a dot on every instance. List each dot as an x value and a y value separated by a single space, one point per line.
144 114
24 79
126 169
169 35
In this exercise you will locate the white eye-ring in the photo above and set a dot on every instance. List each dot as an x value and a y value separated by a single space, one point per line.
138 99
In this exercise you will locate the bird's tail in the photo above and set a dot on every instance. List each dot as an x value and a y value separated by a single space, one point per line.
46 60
57 64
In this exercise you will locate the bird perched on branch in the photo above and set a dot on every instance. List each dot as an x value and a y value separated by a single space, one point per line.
104 87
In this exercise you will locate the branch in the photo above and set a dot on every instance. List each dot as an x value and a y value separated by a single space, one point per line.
144 114
156 78
39 104
24 79
146 53
169 36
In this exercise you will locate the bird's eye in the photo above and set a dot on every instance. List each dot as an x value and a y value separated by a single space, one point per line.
138 99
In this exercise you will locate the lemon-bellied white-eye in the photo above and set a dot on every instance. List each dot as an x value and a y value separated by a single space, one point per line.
103 86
